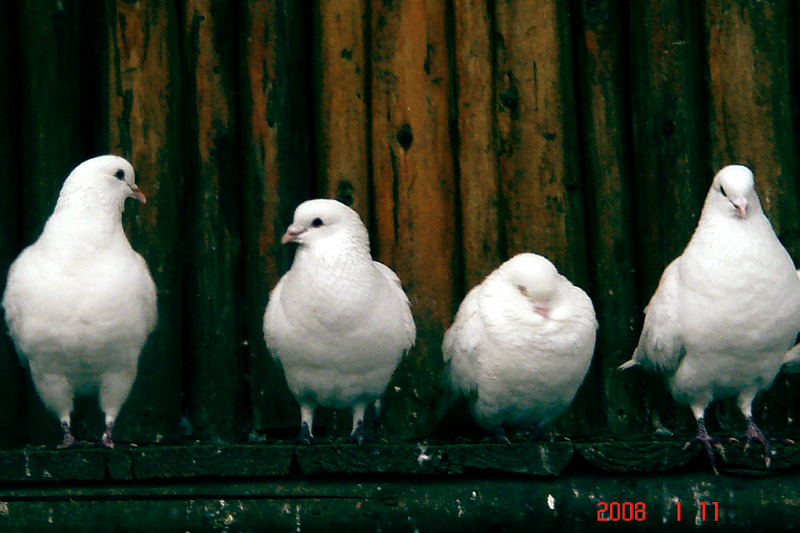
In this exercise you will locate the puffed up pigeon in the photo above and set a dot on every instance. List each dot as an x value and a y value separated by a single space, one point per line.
79 302
726 311
520 346
338 322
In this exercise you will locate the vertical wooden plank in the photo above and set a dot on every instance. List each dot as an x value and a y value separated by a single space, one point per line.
669 136
414 203
751 50
342 143
11 373
143 122
478 180
55 139
604 134
277 176
215 388
541 185
540 181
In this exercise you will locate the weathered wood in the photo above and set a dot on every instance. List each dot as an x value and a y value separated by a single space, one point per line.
541 184
668 143
414 200
341 119
56 137
482 235
604 134
11 373
213 347
143 123
277 175
540 180
750 53
469 504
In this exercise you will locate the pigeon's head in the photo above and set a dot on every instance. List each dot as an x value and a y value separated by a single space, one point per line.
535 278
107 179
324 220
734 189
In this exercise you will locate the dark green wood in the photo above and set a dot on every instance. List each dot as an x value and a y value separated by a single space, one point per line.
142 119
465 504
277 175
670 168
604 133
214 357
55 134
11 373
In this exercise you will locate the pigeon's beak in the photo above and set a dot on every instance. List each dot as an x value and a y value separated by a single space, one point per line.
138 194
741 206
292 232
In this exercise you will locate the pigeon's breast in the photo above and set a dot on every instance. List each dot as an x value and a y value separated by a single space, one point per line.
87 309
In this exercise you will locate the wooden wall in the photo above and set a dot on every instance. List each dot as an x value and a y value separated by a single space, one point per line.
464 131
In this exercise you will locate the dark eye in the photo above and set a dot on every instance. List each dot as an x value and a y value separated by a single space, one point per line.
119 174
317 222
722 191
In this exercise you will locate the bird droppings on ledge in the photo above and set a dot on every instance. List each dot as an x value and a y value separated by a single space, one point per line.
423 458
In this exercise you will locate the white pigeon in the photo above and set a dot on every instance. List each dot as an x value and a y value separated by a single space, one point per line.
338 322
520 346
79 302
726 311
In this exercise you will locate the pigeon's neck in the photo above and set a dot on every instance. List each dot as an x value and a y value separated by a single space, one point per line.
83 228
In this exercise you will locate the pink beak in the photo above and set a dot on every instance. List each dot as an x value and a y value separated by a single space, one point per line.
292 232
741 206
138 194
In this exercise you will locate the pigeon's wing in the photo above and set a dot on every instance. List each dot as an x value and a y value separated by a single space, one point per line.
275 321
13 301
660 345
147 295
461 347
409 328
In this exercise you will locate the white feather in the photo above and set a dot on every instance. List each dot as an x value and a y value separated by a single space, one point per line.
79 302
338 322
517 367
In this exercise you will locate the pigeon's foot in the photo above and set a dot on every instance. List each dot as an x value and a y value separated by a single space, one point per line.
707 441
106 439
754 433
358 435
305 437
69 441
500 436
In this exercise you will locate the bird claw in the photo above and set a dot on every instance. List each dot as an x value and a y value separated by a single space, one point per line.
358 435
305 436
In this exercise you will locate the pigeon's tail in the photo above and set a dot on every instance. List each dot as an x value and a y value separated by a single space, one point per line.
629 364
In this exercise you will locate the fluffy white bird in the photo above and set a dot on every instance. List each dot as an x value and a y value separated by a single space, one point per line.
79 302
520 346
726 311
337 321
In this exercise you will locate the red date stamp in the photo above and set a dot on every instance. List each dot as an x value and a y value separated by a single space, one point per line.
637 511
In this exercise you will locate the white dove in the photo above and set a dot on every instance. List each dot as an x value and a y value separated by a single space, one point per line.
337 321
79 302
520 346
726 311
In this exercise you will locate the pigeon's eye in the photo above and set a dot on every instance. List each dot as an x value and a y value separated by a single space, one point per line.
722 191
317 222
119 174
